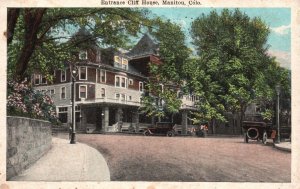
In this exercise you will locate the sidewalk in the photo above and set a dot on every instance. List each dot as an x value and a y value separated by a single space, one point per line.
285 146
67 162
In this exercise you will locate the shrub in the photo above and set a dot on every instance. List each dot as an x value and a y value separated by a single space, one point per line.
23 100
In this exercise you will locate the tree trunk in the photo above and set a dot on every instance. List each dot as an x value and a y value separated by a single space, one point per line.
32 21
213 126
233 122
243 109
12 18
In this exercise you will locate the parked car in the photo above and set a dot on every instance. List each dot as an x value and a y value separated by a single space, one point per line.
161 128
256 128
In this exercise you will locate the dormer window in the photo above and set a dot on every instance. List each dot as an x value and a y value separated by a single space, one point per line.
120 62
117 59
117 62
83 55
125 63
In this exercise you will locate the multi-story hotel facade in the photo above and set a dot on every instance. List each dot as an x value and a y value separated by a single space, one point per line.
109 85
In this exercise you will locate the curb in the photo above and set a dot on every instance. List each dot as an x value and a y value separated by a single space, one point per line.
283 148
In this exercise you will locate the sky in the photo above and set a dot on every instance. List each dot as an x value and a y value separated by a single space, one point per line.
277 19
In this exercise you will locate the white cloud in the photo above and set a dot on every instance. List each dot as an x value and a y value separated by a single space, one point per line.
282 30
284 58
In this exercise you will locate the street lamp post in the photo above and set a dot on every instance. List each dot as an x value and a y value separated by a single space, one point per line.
74 73
277 112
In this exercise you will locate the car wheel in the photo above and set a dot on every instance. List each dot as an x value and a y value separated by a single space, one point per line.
264 138
146 133
170 133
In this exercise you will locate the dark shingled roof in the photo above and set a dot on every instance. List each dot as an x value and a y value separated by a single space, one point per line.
84 39
145 46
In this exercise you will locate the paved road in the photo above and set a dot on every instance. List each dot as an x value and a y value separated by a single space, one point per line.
140 158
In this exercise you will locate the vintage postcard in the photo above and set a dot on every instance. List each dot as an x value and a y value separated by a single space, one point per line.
149 94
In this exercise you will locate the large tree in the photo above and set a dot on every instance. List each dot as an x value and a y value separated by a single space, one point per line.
166 79
233 60
36 36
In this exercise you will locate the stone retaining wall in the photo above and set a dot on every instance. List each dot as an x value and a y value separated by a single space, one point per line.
27 141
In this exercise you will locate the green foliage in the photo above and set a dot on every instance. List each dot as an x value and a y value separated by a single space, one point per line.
233 68
167 77
232 51
268 114
109 27
172 49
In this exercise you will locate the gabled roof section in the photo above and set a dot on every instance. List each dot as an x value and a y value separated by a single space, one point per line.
146 46
84 39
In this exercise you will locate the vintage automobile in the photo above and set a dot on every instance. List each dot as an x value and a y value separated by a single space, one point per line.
258 130
161 128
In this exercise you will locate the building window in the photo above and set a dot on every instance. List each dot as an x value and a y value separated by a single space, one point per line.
63 93
180 94
43 80
117 83
117 62
141 86
117 96
102 92
82 55
52 92
121 81
130 82
123 97
117 59
121 62
83 73
63 75
36 79
82 91
125 63
63 114
102 76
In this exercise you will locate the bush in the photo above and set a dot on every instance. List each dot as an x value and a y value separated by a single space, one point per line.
23 101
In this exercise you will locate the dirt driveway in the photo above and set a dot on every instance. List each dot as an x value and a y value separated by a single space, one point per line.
141 158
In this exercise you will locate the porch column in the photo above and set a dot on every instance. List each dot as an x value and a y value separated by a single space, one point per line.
135 120
184 122
105 118
119 118
83 116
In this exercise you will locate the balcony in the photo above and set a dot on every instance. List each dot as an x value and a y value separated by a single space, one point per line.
110 101
188 102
